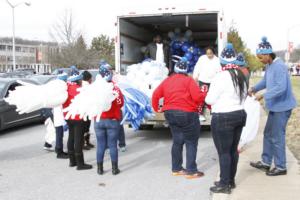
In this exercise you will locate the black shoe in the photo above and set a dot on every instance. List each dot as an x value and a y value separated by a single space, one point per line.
90 145
85 147
231 184
62 155
72 159
260 165
115 169
87 141
80 162
48 147
100 168
276 172
221 189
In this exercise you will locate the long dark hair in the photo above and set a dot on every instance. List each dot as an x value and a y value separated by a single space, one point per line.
240 83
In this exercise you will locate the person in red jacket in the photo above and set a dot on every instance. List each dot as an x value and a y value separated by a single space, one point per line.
108 128
181 99
76 125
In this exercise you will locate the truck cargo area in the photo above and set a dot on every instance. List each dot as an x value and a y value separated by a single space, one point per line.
137 31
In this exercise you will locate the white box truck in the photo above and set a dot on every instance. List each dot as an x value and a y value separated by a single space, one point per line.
136 30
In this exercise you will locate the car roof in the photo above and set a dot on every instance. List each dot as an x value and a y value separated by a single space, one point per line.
14 79
8 81
42 79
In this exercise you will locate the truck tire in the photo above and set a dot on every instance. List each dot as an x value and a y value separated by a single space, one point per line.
205 128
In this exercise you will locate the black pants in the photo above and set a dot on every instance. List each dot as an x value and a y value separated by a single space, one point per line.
226 131
76 132
59 137
87 125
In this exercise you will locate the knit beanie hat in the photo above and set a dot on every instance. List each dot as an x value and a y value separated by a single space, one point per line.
240 60
75 74
105 71
264 47
228 55
181 67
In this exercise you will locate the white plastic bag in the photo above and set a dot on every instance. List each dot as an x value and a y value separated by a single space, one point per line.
250 130
30 97
50 131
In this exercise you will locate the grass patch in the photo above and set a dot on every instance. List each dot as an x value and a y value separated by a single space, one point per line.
293 128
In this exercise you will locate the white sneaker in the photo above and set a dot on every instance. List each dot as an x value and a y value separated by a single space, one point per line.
202 118
122 149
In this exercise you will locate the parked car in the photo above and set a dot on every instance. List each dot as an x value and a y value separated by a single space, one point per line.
16 74
58 71
8 116
42 79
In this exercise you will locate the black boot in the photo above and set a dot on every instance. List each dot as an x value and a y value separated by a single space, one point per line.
87 144
72 159
115 169
80 162
100 168
60 154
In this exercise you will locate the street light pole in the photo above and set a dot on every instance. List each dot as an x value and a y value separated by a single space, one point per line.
13 39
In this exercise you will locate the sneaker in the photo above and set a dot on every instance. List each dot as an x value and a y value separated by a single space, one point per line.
231 184
48 147
221 189
202 118
179 173
260 165
122 149
62 155
86 147
195 175
276 172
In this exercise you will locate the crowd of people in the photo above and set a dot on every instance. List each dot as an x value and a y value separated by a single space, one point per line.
220 83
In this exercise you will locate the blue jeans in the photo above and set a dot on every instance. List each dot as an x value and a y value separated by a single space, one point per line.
107 133
121 138
59 137
226 131
185 129
274 139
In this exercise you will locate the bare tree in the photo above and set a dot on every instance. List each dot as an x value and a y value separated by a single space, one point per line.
64 30
73 49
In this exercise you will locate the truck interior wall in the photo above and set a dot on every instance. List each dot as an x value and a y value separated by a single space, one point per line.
132 39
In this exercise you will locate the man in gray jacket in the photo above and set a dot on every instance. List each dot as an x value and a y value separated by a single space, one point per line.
158 51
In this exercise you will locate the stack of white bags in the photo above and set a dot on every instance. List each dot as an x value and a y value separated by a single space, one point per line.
146 76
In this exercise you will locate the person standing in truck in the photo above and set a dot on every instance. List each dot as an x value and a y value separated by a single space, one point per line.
182 96
158 51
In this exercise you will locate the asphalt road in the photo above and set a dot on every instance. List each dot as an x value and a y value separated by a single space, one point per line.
27 172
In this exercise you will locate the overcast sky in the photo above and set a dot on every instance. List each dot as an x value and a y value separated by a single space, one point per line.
253 19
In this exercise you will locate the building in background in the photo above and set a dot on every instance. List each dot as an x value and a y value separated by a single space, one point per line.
34 55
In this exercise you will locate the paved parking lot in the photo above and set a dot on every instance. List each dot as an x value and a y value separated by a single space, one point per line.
28 172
